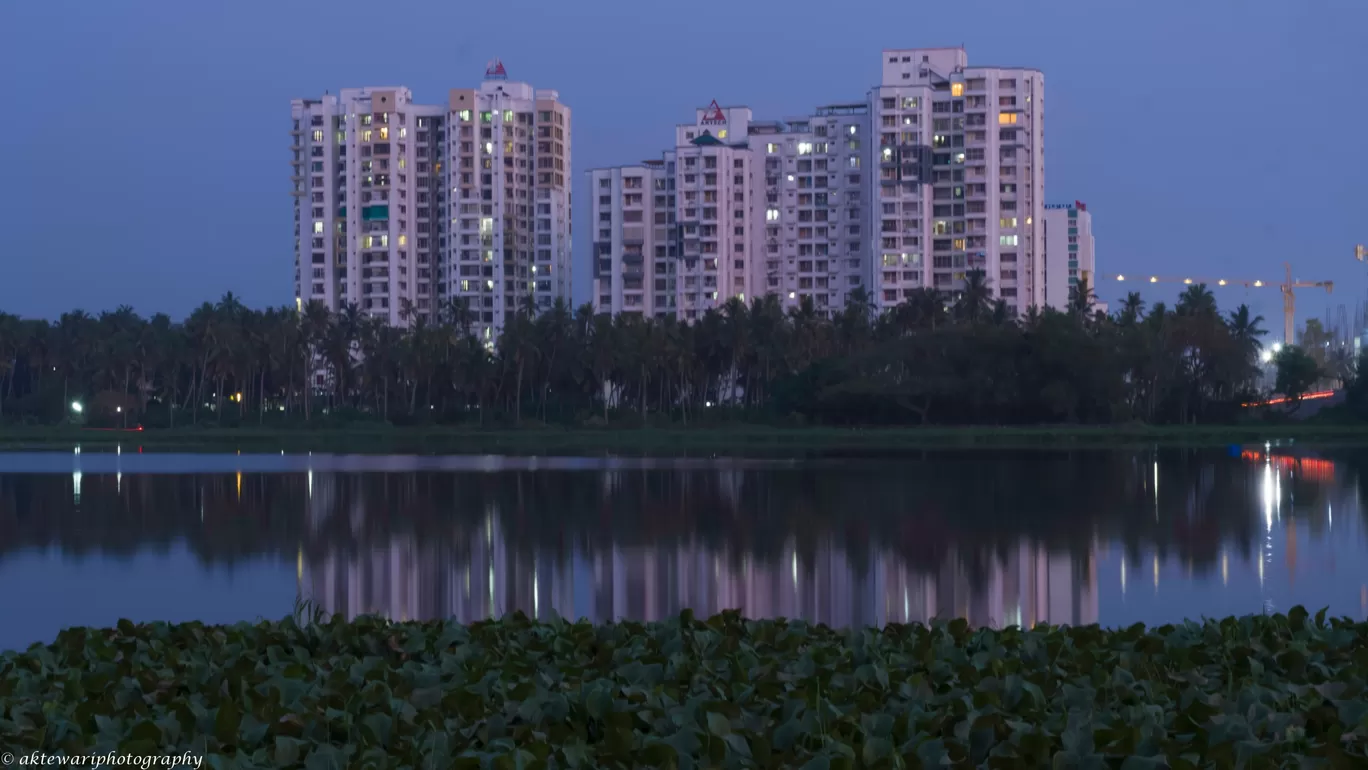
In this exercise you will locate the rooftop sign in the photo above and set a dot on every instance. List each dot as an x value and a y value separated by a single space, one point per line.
713 115
495 71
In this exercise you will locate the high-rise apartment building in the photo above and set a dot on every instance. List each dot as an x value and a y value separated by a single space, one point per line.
961 178
634 244
940 171
814 233
404 209
736 209
368 201
1069 251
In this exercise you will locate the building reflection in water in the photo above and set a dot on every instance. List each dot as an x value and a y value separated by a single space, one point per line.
483 576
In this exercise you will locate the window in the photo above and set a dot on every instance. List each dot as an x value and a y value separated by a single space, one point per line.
805 148
486 117
1007 118
771 148
318 227
318 136
1007 222
1007 240
508 116
772 215
957 89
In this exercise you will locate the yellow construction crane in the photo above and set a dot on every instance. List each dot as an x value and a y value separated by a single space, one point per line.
1287 286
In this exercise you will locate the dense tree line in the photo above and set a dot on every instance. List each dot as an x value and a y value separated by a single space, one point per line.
935 358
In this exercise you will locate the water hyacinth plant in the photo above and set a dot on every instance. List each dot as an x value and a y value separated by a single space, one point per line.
318 692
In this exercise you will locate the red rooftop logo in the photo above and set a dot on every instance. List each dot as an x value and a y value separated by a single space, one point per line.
495 70
714 115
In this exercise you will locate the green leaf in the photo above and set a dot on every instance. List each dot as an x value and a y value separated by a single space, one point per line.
288 750
226 723
718 724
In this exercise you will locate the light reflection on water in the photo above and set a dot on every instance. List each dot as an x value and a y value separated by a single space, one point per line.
996 538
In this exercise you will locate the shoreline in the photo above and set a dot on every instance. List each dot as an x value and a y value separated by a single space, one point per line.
380 438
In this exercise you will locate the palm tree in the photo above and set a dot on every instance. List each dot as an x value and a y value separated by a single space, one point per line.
974 304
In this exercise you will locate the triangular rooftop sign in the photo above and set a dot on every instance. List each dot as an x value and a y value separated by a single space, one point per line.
714 115
495 70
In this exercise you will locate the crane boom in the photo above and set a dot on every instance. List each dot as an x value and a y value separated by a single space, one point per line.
1287 286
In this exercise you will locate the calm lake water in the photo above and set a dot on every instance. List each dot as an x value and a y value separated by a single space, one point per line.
1110 537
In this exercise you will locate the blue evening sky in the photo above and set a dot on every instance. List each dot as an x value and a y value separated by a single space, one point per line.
149 140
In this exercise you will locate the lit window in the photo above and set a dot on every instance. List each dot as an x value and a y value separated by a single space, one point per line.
958 244
384 132
1028 220
722 134
341 137
403 162
366 135
489 148
465 117
790 177
465 285
888 153
854 130
486 225
403 132
771 148
1007 240
772 215
403 240
489 284
1007 118
318 135
957 89
318 227
508 116
805 148
909 103
486 117
1008 222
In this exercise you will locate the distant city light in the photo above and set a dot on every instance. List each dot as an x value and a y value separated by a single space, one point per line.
76 407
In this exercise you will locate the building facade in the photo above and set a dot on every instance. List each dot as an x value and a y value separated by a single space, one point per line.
1070 255
961 178
736 209
409 210
940 171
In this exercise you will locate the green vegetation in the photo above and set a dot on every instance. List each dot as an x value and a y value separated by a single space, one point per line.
1248 692
935 359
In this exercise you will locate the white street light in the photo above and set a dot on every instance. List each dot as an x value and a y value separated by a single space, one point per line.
76 407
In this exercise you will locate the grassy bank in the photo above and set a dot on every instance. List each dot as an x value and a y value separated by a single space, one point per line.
1254 692
652 440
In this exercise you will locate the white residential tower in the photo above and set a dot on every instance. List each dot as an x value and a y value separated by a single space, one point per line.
406 209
